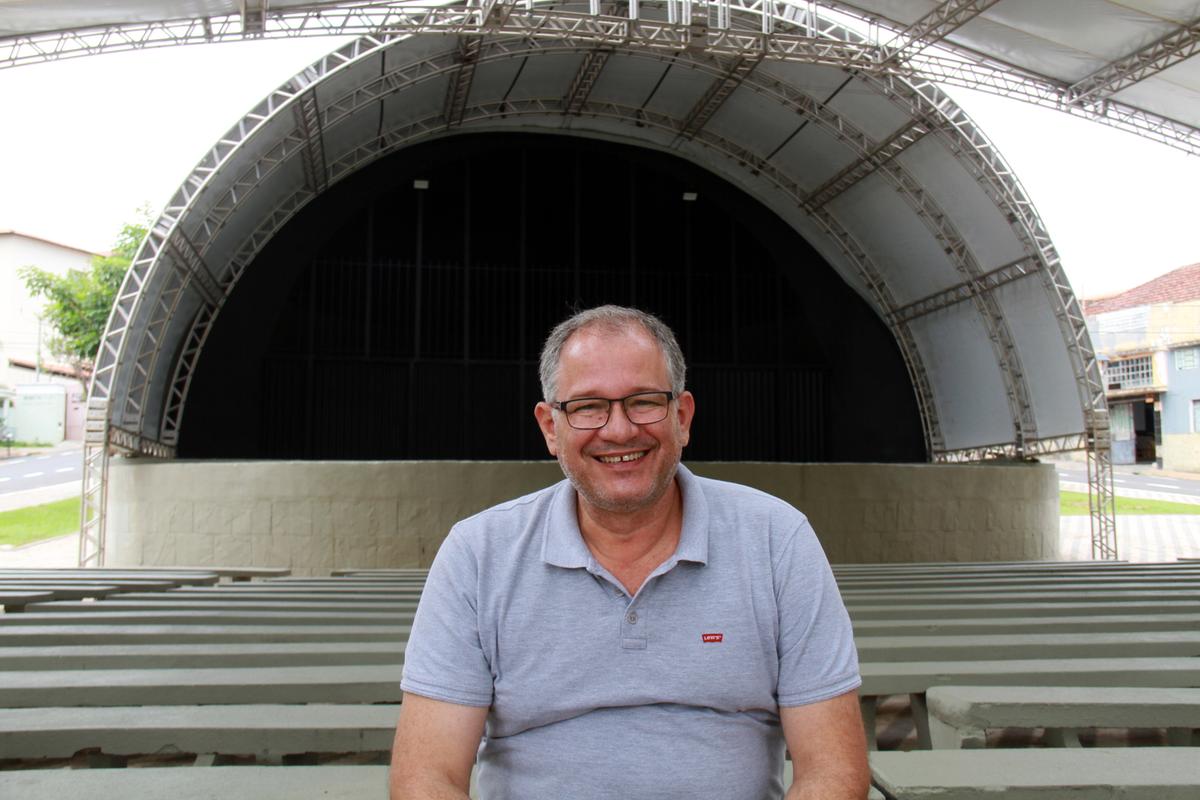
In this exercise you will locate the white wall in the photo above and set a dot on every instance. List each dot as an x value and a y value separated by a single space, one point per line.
18 310
313 516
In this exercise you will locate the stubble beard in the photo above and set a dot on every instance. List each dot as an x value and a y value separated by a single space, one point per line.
613 505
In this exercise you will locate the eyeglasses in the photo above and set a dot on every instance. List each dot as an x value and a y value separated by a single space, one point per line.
590 413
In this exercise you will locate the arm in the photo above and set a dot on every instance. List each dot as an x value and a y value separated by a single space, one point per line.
434 749
829 749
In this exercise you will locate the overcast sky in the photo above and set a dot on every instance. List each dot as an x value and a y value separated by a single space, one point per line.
86 142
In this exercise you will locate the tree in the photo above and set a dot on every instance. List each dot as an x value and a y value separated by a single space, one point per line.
78 303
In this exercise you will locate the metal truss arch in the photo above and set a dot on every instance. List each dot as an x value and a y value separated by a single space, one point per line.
205 239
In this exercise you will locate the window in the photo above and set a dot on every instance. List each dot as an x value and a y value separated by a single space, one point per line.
1187 358
1130 373
1196 416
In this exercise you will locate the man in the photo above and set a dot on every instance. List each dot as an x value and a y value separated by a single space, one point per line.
635 631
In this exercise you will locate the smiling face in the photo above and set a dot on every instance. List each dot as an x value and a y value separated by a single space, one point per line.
620 468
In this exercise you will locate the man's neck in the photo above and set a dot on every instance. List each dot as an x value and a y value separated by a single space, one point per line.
632 545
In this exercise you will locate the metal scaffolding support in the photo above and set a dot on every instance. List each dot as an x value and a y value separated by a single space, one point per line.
962 292
1097 88
312 156
93 510
733 28
716 95
1101 500
932 28
459 85
585 78
867 163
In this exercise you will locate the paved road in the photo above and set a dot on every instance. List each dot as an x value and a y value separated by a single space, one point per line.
1146 481
35 471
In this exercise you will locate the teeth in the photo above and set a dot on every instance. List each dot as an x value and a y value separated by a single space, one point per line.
626 457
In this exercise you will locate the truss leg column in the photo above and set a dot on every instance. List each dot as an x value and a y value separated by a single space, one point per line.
1101 501
94 505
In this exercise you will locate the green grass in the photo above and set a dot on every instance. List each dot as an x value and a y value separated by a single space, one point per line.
35 523
1075 504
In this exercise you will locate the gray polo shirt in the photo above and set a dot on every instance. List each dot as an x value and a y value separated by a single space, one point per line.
672 693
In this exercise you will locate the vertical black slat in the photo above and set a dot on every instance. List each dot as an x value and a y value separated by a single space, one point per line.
777 409
633 250
522 269
310 353
369 290
416 328
576 266
466 264
465 396
688 305
731 232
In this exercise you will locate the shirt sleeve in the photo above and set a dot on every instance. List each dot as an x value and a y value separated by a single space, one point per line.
443 659
817 656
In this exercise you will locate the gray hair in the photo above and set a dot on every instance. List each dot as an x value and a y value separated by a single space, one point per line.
613 319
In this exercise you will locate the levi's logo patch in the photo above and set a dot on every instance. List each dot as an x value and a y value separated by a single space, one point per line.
712 637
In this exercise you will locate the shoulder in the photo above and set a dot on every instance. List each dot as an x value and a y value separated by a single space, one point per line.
725 499
504 522
753 520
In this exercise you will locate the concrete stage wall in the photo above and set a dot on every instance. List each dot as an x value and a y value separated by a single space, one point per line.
314 516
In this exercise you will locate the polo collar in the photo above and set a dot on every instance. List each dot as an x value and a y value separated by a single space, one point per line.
563 545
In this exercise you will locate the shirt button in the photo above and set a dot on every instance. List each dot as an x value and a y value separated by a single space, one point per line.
631 618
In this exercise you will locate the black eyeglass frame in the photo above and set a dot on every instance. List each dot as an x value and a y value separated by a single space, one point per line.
561 405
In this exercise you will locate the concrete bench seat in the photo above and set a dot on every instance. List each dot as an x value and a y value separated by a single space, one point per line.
986 597
64 591
951 583
236 574
1182 643
959 716
950 609
912 677
332 782
34 615
54 635
15 601
355 683
264 587
123 603
1128 773
223 654
337 573
264 731
124 584
180 578
1001 624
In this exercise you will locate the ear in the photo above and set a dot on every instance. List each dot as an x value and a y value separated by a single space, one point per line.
545 420
686 410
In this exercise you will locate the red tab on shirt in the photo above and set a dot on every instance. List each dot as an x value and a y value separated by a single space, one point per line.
712 637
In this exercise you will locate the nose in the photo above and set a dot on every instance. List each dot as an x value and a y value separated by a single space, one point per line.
618 427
